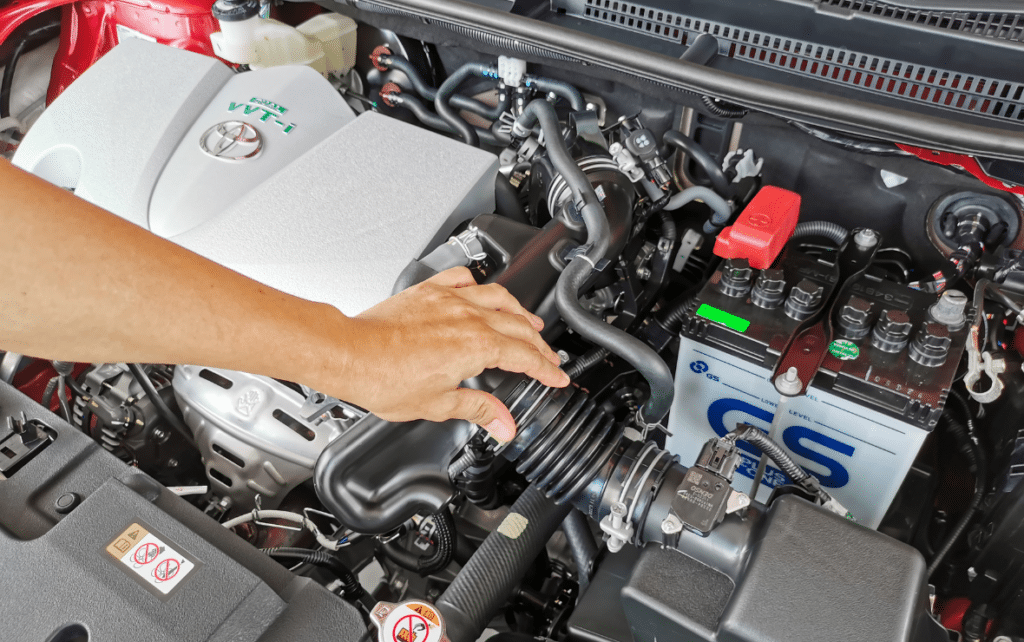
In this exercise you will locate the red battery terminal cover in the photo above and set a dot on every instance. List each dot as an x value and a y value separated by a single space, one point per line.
762 228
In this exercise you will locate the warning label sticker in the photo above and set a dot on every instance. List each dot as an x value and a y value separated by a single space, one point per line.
148 558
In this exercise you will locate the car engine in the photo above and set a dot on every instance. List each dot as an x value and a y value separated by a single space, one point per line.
795 353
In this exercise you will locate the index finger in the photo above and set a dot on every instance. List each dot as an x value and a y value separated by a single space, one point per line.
518 356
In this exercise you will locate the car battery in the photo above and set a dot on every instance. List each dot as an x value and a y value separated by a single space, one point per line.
889 358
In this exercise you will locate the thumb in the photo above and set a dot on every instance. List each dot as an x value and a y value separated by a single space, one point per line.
485 410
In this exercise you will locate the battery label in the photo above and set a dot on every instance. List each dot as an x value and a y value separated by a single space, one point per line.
858 454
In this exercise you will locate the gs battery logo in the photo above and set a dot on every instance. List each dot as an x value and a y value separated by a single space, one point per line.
799 440
701 367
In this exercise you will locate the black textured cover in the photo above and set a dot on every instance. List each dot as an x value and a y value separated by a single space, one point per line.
815 576
671 593
55 571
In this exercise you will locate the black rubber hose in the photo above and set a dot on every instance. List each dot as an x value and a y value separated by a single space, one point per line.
540 112
488 579
582 546
977 463
562 90
158 402
444 548
350 586
46 31
586 361
637 353
506 200
442 104
432 120
460 102
827 229
714 173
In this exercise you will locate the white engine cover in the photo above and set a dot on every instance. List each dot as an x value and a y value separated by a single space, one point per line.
327 206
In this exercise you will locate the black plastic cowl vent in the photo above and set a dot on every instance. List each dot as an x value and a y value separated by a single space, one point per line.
922 84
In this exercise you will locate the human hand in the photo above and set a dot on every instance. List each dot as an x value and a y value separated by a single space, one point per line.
408 354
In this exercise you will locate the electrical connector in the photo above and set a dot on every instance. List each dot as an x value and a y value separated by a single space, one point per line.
511 71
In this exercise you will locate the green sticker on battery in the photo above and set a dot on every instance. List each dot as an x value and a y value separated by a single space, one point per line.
730 321
844 350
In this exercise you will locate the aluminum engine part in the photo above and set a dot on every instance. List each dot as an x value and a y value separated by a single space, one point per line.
253 431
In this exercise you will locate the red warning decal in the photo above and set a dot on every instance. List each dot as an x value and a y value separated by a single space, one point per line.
166 570
411 628
146 553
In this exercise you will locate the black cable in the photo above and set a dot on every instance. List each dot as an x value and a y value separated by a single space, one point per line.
444 548
827 229
1002 297
586 361
976 463
700 156
722 109
158 402
65 410
46 31
351 588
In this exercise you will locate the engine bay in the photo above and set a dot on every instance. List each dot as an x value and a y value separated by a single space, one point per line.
795 353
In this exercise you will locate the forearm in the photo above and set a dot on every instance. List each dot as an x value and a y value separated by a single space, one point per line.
81 285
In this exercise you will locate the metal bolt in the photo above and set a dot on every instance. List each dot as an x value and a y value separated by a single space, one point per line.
643 273
788 383
563 356
618 509
159 434
671 525
865 238
172 463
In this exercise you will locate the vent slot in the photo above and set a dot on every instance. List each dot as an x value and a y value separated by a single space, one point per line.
220 477
216 379
934 86
298 428
999 26
230 456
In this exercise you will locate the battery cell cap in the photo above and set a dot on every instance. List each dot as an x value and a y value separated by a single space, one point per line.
762 228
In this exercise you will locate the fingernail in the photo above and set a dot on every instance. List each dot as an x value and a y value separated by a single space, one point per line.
565 377
500 431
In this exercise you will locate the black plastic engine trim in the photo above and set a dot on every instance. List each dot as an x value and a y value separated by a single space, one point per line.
908 127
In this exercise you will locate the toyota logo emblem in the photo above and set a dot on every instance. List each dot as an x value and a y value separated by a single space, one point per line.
233 140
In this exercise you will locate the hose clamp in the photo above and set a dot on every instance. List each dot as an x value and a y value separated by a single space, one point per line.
464 241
